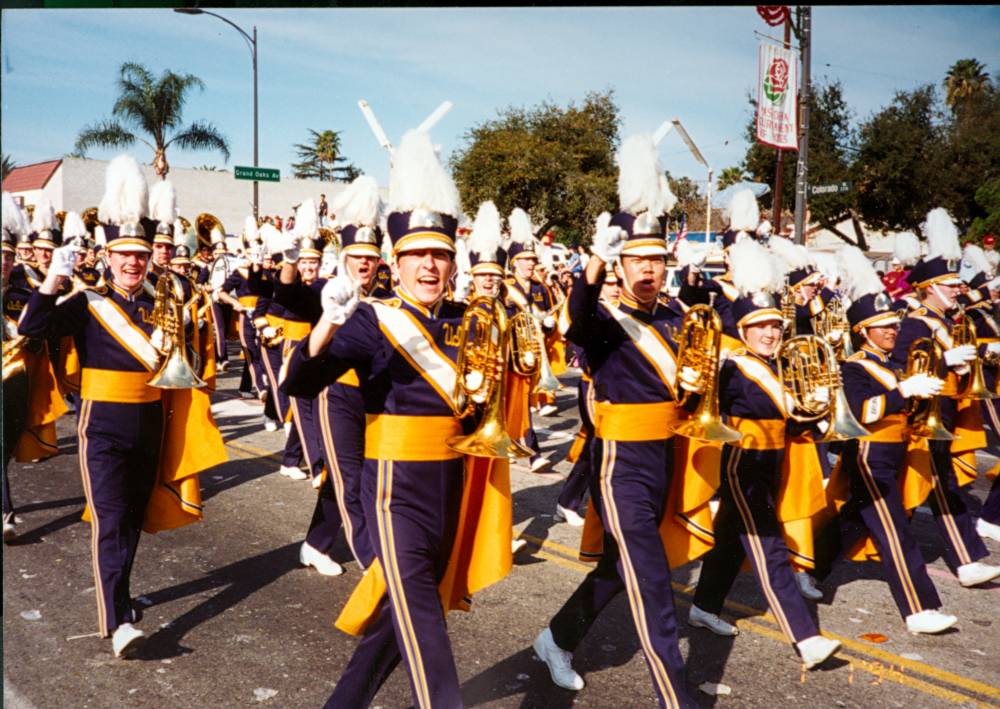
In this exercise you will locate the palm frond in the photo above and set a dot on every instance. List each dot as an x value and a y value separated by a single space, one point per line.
201 135
105 134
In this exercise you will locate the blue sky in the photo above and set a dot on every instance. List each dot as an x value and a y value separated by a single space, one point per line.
59 69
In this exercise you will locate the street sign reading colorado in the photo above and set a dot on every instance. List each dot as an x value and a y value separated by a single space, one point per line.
260 174
836 188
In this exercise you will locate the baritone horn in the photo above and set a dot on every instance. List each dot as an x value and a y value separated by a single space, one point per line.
175 371
807 363
700 345
924 357
483 349
963 332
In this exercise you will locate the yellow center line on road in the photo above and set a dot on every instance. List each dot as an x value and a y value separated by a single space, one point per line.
879 663
885 663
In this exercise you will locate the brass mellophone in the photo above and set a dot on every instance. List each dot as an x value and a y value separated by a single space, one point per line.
963 332
175 371
924 357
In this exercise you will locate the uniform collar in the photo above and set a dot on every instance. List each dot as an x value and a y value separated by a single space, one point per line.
629 301
124 293
405 296
934 311
875 352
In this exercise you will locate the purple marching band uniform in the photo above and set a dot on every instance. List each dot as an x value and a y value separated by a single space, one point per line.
120 419
956 524
220 313
634 370
15 381
874 464
411 482
240 285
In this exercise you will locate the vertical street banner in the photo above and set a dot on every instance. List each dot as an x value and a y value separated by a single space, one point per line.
777 97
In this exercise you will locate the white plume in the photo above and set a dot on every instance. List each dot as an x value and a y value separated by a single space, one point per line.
250 229
827 264
306 220
44 216
520 227
163 202
690 253
906 248
13 218
462 261
975 258
73 227
181 236
360 204
99 236
603 219
386 247
744 214
859 274
754 269
126 196
419 180
942 235
765 228
788 256
642 184
486 231
271 237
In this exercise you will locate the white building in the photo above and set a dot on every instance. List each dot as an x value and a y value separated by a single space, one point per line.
74 184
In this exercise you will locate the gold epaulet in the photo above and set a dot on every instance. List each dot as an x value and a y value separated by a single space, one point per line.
856 357
922 310
738 352
391 301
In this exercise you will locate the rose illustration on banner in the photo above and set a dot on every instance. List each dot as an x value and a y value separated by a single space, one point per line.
777 80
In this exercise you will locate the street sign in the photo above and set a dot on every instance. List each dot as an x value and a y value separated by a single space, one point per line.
835 188
260 174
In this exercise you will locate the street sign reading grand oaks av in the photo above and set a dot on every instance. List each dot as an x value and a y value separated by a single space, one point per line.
260 174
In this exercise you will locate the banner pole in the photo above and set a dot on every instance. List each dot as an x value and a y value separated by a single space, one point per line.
779 169
802 168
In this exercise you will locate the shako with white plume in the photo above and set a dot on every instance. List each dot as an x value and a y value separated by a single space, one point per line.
306 229
644 197
743 215
940 265
358 210
163 211
44 228
485 252
870 305
522 242
758 278
123 208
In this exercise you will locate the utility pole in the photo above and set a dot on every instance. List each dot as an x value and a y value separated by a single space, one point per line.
779 170
802 168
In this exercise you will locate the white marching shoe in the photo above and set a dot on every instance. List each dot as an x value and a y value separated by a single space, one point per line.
548 410
558 660
988 530
270 425
807 586
929 621
540 463
293 472
517 545
126 640
9 530
311 556
571 517
976 573
816 650
698 618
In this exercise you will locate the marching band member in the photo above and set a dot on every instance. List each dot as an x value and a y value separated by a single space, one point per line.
803 281
162 210
531 295
340 409
75 229
871 467
404 350
15 375
203 278
634 373
296 293
121 417
268 326
743 215
979 306
746 524
937 282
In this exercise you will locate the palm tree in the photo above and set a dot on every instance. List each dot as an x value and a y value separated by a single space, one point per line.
7 165
319 158
729 176
153 106
965 79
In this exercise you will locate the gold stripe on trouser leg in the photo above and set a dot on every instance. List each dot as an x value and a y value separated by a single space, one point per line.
949 521
333 469
95 525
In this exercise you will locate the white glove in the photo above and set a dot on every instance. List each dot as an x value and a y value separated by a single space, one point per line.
290 248
994 284
921 386
156 339
819 397
690 380
340 297
834 336
463 285
268 332
957 356
993 347
608 243
549 322
63 261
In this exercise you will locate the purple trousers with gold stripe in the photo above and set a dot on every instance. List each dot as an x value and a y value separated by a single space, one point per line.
251 352
340 417
877 503
629 487
747 527
956 524
119 455
412 512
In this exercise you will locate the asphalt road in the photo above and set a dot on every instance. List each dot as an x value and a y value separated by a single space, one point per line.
234 621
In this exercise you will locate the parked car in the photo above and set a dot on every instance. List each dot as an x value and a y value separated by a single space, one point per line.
673 280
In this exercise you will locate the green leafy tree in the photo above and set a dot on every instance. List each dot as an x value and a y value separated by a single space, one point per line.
557 163
988 197
964 80
319 158
154 107
729 176
902 155
6 166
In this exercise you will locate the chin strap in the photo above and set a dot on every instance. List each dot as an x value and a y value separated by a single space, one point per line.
946 302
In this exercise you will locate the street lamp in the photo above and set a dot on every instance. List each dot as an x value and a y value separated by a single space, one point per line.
252 44
708 188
